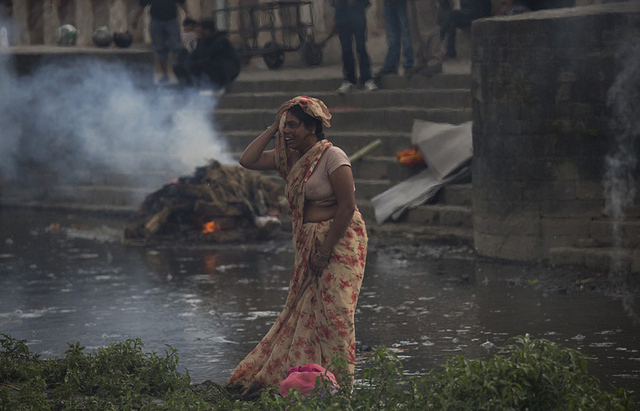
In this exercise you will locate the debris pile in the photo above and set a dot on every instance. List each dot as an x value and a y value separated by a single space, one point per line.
218 203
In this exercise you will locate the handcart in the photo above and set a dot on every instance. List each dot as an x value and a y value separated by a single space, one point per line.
271 29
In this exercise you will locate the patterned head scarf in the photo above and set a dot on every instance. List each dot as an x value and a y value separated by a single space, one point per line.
313 107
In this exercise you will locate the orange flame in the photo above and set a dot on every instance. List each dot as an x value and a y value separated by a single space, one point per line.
210 227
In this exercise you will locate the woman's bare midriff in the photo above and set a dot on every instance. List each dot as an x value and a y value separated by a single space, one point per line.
314 213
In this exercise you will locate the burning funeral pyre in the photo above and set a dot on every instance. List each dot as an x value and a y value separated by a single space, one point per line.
218 203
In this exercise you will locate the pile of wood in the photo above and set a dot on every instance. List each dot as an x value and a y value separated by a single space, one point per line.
218 203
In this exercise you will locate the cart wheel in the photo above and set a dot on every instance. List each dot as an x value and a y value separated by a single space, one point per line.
312 53
273 59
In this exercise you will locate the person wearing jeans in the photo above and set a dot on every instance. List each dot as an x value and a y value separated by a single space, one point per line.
351 24
398 34
164 29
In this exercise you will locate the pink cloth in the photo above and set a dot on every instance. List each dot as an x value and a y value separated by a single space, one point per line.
303 379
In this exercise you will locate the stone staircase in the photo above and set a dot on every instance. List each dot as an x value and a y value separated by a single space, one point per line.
360 118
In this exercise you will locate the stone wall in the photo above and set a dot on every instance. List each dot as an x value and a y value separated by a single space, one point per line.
542 129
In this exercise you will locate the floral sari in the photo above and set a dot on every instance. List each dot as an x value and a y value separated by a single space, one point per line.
317 321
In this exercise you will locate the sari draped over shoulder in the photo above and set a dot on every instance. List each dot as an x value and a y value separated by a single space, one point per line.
317 321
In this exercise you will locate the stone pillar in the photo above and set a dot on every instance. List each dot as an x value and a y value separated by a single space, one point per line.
51 21
20 25
195 9
84 21
541 127
118 16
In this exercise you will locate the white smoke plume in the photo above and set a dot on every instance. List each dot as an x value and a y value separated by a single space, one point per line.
621 165
83 115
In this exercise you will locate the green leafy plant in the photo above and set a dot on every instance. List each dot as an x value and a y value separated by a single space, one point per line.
529 374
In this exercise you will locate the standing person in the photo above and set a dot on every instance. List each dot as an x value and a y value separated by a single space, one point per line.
215 61
164 29
469 10
330 246
396 23
182 65
351 23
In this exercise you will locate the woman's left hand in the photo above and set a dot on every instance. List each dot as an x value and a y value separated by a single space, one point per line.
318 263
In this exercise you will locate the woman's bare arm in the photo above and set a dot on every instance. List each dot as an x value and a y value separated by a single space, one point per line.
342 183
254 156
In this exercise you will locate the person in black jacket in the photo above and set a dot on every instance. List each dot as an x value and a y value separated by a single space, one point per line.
469 10
215 61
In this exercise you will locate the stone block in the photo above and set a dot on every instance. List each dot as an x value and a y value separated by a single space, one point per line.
499 190
563 169
502 208
589 190
550 190
508 247
520 223
572 208
635 261
603 232
552 241
561 256
565 227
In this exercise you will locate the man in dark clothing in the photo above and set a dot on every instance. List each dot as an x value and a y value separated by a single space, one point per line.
351 24
215 61
164 29
469 10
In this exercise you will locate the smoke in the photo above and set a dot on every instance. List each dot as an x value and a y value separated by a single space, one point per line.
86 115
622 163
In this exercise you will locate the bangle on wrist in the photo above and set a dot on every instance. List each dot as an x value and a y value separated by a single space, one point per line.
271 133
324 257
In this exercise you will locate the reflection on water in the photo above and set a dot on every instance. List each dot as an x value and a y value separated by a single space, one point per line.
67 278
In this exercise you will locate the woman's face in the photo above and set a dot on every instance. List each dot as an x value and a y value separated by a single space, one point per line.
297 135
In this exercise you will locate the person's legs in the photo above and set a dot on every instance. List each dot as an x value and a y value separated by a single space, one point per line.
405 31
453 20
159 42
174 39
392 28
345 34
359 24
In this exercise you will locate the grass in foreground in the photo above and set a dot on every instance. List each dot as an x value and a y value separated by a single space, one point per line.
530 374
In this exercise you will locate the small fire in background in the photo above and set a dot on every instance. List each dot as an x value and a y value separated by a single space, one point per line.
210 227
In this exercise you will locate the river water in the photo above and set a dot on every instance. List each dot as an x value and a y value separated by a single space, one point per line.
67 278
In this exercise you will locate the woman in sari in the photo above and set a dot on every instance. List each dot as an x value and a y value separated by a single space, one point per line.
330 246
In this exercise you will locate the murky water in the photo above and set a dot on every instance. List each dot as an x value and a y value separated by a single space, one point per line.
66 278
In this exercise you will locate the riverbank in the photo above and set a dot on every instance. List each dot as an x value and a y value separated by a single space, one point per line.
124 376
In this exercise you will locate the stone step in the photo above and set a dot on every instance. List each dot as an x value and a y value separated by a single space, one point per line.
456 195
419 234
367 189
381 168
303 85
396 119
604 260
436 98
97 195
452 195
427 214
349 141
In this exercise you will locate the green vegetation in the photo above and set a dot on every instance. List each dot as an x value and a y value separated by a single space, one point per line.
530 374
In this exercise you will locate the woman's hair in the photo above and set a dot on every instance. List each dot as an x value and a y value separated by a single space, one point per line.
308 120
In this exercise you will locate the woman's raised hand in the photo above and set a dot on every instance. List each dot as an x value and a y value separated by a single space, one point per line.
283 107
